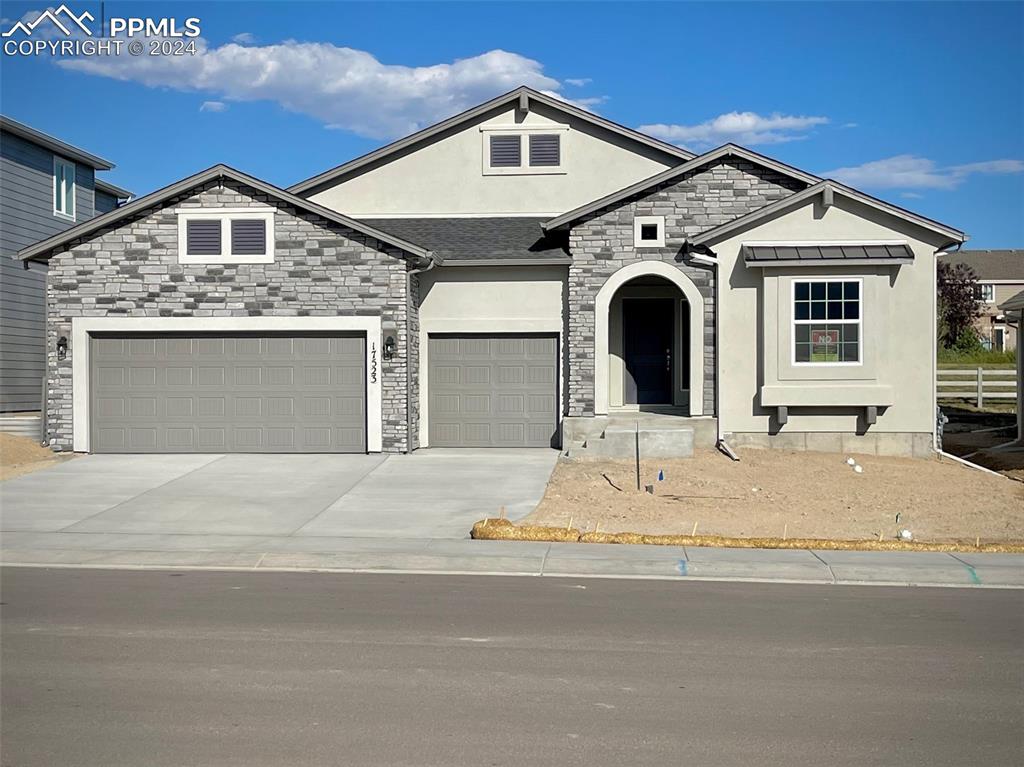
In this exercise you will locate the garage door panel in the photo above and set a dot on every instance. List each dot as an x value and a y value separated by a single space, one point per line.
228 394
492 390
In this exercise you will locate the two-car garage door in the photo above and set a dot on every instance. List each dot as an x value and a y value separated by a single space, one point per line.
493 390
247 393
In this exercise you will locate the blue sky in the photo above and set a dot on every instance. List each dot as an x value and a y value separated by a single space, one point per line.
921 104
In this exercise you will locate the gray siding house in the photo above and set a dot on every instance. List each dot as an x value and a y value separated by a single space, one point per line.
46 187
523 274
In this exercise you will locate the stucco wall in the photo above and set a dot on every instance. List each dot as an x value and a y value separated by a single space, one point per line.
488 299
898 312
445 177
603 243
131 269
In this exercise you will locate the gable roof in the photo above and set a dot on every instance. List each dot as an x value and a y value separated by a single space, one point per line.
521 95
62 148
828 185
727 150
483 241
1014 303
990 264
45 248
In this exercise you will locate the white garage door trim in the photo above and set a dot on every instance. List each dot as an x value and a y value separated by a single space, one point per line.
83 327
479 326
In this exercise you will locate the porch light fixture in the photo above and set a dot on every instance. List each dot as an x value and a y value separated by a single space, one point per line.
62 347
389 347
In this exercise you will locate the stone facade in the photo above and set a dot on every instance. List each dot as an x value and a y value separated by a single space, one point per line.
320 269
602 243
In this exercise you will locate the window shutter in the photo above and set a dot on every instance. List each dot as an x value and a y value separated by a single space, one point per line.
203 237
545 150
506 151
248 237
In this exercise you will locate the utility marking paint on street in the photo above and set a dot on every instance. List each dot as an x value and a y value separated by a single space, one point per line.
975 578
681 567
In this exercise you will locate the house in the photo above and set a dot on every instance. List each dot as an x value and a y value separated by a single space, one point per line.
46 187
1013 310
525 273
1000 275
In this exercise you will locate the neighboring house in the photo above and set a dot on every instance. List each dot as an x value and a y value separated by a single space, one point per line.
1000 276
1013 309
46 187
518 275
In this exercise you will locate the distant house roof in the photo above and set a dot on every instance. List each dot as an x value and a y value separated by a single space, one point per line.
44 249
772 254
509 240
54 144
522 96
990 264
112 190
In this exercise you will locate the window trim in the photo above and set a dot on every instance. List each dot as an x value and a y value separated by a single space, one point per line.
984 287
225 216
794 322
639 222
69 166
524 132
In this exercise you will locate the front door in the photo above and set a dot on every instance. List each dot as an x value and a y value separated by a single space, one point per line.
647 339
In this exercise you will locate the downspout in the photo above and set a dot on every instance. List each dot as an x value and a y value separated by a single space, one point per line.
430 263
710 258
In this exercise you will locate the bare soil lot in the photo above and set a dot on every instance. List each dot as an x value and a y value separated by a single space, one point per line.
23 455
771 493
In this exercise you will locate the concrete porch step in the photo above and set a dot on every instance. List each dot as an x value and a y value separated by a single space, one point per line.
615 436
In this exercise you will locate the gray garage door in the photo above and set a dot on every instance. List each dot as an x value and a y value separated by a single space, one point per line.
493 390
228 393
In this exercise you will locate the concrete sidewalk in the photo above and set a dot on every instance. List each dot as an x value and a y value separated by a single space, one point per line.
420 555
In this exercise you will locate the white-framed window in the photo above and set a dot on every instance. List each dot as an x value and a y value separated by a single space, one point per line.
986 293
226 236
999 338
516 150
827 322
649 231
63 188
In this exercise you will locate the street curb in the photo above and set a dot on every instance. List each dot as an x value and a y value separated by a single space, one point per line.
513 574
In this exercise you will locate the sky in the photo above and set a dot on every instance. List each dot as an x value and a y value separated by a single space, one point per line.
920 104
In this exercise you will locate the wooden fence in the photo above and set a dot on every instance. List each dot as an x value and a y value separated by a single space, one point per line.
977 384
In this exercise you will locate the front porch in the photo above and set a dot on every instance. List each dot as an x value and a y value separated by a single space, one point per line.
669 433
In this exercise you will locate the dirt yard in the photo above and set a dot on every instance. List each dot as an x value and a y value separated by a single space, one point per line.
769 493
23 455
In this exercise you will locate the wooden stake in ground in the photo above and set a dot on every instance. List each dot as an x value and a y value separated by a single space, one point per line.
694 530
501 514
637 424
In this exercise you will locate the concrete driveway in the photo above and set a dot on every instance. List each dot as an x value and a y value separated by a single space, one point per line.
428 494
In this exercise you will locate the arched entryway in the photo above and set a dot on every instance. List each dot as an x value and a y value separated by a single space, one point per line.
649 340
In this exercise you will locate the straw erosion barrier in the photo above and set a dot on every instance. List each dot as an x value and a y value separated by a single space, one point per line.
501 529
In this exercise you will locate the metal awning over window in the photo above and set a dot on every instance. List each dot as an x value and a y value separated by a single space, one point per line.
830 253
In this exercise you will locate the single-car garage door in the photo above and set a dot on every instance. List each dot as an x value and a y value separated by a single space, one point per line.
493 390
242 393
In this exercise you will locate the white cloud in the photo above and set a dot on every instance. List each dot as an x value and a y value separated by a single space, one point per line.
344 88
213 106
578 82
244 38
745 128
908 171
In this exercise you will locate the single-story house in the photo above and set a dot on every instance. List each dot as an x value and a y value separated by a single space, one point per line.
522 274
1000 275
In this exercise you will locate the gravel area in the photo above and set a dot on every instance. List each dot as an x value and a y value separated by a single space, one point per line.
771 493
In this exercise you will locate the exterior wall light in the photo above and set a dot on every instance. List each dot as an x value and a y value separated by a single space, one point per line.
389 347
62 348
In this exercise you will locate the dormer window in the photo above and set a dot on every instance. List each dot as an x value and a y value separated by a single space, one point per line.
524 151
649 232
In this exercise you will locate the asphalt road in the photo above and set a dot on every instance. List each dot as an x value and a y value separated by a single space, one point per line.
202 668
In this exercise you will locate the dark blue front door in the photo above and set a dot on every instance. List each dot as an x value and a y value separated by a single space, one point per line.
647 345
